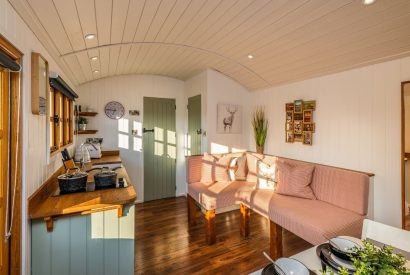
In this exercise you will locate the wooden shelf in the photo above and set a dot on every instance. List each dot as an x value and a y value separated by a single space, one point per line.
87 113
86 132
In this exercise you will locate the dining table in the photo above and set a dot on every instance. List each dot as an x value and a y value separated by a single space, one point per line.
310 259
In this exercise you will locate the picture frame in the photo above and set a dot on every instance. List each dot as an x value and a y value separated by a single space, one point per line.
297 116
309 127
229 119
290 107
298 137
289 126
307 138
289 116
39 84
298 127
309 105
307 116
298 106
289 137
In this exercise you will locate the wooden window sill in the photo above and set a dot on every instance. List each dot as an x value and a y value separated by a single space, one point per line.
60 149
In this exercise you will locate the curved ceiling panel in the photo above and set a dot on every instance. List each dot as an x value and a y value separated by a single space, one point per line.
289 40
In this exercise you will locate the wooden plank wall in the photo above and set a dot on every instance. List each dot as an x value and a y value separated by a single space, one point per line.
96 244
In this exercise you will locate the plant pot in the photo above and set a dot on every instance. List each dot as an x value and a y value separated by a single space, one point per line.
82 127
259 149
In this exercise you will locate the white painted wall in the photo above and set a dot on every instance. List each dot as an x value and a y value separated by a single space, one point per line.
216 88
130 90
222 89
197 85
357 126
36 167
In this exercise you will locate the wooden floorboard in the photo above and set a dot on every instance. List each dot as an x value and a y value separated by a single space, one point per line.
164 245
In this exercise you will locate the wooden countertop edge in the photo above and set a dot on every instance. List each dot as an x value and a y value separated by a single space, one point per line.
41 204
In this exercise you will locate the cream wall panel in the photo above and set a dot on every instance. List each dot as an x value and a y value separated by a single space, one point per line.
86 15
164 10
150 9
67 12
46 12
357 126
119 16
103 10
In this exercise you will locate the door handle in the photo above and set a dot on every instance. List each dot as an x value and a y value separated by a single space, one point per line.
144 130
199 131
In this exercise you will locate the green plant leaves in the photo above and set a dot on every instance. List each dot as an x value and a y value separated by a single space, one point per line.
260 126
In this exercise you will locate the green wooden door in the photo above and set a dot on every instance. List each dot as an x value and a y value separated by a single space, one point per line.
159 147
194 126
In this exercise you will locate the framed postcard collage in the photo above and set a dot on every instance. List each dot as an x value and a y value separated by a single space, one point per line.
299 125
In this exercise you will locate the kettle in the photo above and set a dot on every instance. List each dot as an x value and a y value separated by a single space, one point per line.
82 154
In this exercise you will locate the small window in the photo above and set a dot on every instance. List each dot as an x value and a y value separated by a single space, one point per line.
61 120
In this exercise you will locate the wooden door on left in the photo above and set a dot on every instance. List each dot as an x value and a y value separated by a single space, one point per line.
4 166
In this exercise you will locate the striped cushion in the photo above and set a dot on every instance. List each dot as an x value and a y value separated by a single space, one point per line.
295 180
193 168
266 175
222 168
217 195
237 168
314 220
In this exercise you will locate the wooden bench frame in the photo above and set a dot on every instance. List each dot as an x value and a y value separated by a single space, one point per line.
209 220
276 247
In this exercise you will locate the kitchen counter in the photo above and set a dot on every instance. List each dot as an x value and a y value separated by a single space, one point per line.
44 204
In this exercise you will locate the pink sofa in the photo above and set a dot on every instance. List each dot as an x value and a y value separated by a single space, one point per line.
341 205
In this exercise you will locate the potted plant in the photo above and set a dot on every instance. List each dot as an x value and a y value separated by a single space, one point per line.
82 123
260 128
373 260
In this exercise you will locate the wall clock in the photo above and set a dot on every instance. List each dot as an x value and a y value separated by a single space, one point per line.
114 110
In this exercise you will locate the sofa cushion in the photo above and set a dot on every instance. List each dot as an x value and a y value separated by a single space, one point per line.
295 180
256 199
215 168
341 187
252 163
222 168
238 168
266 175
314 220
218 194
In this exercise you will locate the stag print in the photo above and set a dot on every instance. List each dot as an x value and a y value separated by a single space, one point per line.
228 121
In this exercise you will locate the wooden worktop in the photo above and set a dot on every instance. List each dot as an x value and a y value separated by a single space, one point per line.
44 204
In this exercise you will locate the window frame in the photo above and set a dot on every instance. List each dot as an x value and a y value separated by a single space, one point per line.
61 133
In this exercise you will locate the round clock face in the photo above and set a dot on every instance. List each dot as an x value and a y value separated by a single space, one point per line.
114 110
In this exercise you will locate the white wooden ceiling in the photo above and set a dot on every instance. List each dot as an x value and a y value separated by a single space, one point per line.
289 39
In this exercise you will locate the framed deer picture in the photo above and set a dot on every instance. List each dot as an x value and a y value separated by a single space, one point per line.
229 118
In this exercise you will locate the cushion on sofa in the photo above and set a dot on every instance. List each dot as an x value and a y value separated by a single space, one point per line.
341 187
314 220
218 194
266 175
295 180
238 168
215 168
252 163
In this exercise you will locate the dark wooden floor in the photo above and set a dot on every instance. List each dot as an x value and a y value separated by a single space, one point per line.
164 245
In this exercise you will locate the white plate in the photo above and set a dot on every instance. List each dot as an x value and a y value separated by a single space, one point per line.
291 267
342 244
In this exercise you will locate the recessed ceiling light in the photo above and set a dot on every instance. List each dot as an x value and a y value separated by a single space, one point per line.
94 58
90 36
96 71
250 56
368 2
